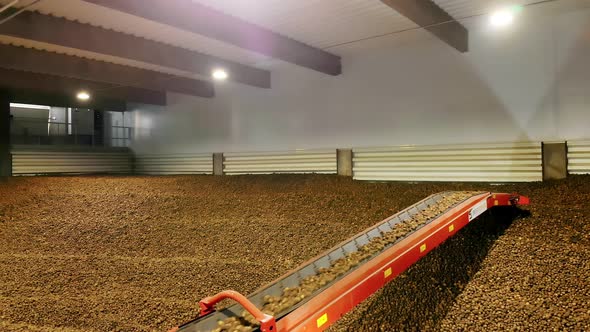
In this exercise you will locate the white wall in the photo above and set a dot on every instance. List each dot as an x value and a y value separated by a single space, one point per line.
529 82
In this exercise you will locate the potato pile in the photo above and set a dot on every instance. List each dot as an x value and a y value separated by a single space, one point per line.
275 305
417 299
135 254
509 270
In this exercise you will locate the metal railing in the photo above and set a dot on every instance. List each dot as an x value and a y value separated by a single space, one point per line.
32 131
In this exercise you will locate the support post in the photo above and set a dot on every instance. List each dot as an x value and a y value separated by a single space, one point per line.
344 162
554 160
218 164
5 157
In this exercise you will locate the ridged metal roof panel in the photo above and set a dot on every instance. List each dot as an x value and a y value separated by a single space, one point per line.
466 8
320 23
84 12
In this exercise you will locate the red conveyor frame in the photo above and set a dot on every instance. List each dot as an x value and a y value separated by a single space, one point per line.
324 309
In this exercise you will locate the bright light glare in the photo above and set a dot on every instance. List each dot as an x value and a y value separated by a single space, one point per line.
83 95
219 74
502 18
29 106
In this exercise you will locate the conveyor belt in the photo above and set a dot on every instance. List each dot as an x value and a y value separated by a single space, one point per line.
316 311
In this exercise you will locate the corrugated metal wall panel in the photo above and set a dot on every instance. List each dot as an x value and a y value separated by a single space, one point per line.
299 161
502 162
169 164
32 161
578 157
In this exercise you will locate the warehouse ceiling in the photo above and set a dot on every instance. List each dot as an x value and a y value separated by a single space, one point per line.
189 38
317 23
467 8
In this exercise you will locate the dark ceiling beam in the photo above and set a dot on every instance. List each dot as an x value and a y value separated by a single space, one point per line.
428 14
25 59
63 32
26 83
194 17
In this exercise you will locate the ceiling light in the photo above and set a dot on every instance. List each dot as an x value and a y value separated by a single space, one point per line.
219 74
83 95
502 18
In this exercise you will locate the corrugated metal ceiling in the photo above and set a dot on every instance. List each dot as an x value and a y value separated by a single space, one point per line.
7 40
319 23
466 8
84 12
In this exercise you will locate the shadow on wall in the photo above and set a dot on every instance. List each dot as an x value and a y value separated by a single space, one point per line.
419 299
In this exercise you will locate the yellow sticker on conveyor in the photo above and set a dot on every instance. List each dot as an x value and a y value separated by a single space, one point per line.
423 248
387 273
451 228
322 320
